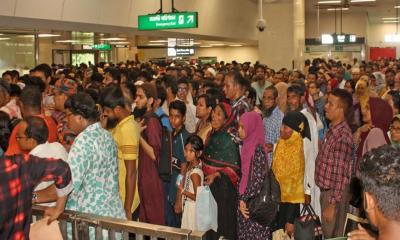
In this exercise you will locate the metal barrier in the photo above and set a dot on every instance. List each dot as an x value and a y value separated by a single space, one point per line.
82 221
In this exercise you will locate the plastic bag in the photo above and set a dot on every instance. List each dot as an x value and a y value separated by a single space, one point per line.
206 210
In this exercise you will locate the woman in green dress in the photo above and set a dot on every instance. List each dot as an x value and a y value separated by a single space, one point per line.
221 165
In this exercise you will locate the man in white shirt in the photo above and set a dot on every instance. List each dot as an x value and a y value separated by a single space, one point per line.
261 83
32 137
191 119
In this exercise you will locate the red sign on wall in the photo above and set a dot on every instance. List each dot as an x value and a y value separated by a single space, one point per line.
377 52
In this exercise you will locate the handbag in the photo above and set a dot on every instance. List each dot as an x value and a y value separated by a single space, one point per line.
206 210
264 207
308 225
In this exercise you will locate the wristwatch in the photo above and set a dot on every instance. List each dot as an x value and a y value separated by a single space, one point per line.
34 198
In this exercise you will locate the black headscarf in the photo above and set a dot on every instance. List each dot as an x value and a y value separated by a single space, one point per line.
298 122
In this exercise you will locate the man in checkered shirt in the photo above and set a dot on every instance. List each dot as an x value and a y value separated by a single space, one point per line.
334 164
19 175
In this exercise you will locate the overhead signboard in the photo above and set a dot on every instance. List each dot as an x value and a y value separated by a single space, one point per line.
100 47
338 38
178 51
174 20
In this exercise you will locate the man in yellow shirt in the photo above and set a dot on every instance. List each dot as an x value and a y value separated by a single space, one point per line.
116 104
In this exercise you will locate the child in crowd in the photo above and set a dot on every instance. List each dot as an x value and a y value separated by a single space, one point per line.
193 179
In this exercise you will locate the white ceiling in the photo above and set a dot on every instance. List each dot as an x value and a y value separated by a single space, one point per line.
374 10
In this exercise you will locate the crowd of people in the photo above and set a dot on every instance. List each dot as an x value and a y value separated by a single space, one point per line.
136 140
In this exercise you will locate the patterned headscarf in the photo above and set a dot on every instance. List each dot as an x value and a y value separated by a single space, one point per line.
67 86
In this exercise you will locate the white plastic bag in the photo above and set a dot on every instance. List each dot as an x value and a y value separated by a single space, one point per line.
206 210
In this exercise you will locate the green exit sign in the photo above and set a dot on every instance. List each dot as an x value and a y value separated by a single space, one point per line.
168 21
101 47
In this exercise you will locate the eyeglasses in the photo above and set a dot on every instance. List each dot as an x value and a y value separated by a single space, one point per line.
182 89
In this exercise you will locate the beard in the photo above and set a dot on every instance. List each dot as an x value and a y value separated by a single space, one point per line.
111 123
139 112
268 111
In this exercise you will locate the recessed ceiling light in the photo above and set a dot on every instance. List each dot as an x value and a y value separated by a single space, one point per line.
67 41
113 43
113 39
5 38
337 9
217 44
390 18
360 1
49 35
235 45
158 41
206 46
329 2
397 6
155 44
391 21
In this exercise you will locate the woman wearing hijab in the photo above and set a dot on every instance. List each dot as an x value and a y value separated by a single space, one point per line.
253 168
376 114
288 167
221 165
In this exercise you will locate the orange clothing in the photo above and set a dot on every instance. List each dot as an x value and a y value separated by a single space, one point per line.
13 146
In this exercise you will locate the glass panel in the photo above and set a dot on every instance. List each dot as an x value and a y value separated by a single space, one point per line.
17 52
78 58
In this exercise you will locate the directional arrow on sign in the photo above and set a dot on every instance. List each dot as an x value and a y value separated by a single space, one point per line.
190 19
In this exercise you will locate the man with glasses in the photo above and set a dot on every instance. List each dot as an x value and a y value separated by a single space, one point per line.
191 120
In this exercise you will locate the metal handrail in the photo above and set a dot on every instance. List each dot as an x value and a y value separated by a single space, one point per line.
114 225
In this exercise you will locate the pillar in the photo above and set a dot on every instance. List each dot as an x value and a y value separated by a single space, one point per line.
282 43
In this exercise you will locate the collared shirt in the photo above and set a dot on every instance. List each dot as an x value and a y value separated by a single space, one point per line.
260 90
178 158
272 126
94 168
49 150
19 174
126 135
335 160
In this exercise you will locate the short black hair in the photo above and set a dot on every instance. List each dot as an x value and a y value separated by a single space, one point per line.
115 74
35 81
15 90
178 105
5 130
44 68
31 97
36 129
273 89
380 176
238 79
111 97
5 86
390 71
395 97
196 142
296 89
82 104
352 84
171 83
210 100
183 81
346 100
216 94
162 94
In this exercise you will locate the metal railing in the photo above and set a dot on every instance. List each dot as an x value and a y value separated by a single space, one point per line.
82 221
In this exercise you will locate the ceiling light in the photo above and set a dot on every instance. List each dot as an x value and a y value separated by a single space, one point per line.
235 45
360 1
390 18
119 43
329 2
155 44
217 44
113 39
391 21
5 38
337 9
158 41
397 6
206 46
49 35
197 43
67 41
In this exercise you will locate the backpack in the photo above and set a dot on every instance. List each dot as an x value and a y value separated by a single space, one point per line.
165 163
264 207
